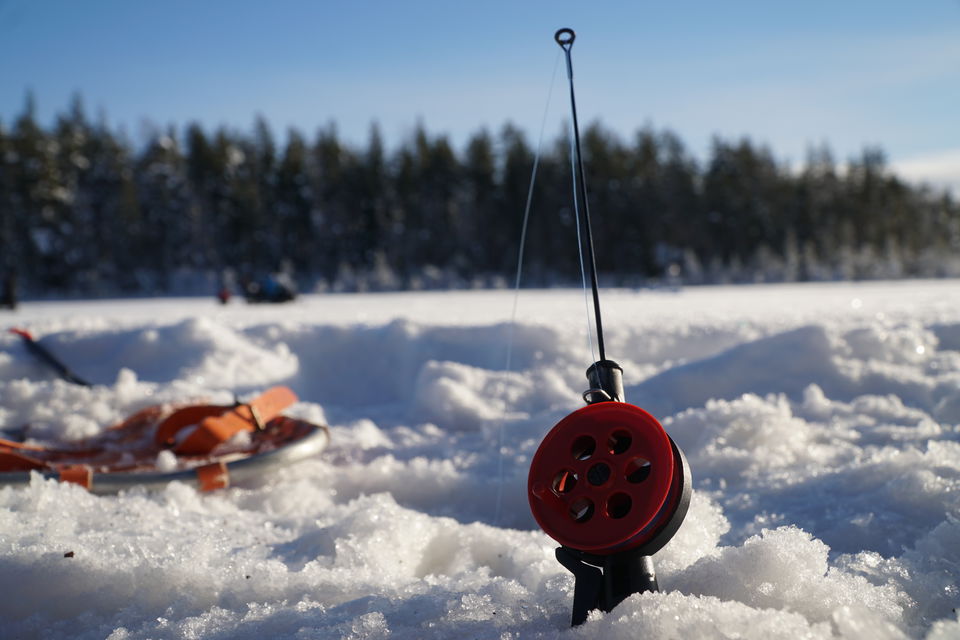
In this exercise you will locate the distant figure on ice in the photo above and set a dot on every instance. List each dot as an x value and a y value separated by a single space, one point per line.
226 286
9 297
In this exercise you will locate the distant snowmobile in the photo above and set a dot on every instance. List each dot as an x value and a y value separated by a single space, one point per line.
277 287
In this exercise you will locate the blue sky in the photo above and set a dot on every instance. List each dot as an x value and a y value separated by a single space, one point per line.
849 73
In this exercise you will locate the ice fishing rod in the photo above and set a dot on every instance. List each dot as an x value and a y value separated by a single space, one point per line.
46 356
607 482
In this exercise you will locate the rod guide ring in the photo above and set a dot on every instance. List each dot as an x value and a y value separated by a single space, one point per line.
565 37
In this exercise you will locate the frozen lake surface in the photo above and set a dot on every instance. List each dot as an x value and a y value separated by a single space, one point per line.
820 422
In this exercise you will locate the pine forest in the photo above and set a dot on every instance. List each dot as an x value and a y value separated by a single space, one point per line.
84 211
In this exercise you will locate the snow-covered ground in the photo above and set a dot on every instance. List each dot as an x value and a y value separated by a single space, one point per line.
820 423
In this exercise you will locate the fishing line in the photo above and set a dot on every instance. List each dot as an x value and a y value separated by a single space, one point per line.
516 292
583 273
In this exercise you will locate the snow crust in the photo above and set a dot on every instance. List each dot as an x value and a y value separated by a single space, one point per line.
820 423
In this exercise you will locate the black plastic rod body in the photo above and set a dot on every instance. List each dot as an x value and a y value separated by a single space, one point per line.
565 38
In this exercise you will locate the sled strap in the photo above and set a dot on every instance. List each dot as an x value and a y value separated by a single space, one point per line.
255 414
79 474
213 476
165 435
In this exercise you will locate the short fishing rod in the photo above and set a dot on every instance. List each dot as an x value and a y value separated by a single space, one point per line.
48 358
607 482
565 38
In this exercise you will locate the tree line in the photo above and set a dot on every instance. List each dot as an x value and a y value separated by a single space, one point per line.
85 211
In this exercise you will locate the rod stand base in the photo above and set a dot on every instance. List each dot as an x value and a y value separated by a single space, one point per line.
603 582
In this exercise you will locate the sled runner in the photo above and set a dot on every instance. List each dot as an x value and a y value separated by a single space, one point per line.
211 446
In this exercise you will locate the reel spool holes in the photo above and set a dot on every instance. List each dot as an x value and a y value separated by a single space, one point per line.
608 478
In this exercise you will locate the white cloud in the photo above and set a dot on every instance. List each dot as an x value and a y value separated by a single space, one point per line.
938 168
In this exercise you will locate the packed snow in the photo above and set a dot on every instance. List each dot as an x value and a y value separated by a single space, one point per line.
820 422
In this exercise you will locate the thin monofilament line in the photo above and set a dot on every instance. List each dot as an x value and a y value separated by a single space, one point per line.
508 367
583 271
526 210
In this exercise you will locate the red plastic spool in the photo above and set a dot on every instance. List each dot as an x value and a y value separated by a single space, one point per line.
608 478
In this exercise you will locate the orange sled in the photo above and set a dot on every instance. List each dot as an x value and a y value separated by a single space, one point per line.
211 445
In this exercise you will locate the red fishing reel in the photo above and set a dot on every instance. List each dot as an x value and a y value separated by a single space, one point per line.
607 479
612 488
